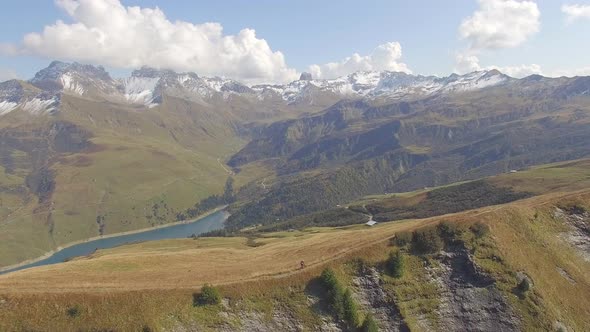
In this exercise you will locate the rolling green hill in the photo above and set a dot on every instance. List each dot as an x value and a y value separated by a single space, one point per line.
97 168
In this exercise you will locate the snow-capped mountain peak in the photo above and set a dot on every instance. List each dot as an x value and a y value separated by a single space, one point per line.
74 78
373 84
145 86
148 86
17 95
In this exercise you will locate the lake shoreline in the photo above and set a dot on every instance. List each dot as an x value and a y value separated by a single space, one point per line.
136 231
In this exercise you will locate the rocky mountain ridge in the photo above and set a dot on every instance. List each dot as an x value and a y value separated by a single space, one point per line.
145 87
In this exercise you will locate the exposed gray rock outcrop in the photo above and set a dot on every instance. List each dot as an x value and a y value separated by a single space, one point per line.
469 299
305 77
247 321
373 299
578 221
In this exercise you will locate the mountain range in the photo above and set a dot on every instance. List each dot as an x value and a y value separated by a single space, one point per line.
83 154
146 86
478 184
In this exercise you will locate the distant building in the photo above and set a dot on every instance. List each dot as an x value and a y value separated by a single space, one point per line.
371 223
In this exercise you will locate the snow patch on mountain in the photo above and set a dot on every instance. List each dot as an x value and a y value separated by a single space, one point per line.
69 83
7 107
40 106
16 95
34 106
74 78
205 88
389 84
147 86
474 81
141 90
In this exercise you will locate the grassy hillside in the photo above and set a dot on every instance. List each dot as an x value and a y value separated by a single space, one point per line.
357 148
474 236
488 251
156 279
321 200
97 168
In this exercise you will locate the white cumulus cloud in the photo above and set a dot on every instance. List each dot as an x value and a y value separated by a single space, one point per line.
501 24
106 32
385 57
575 12
466 63
498 24
470 63
519 71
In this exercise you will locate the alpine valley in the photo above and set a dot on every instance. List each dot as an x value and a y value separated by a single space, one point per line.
300 167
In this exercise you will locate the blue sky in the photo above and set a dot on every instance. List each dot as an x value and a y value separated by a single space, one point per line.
316 32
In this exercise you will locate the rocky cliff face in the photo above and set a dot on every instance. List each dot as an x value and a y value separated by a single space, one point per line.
374 299
469 299
577 235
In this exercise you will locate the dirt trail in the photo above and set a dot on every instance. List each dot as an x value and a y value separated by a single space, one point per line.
228 171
